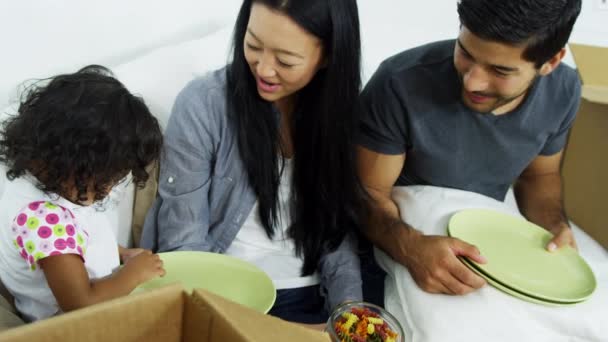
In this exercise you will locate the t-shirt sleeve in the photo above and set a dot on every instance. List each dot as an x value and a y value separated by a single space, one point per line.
383 126
43 229
557 141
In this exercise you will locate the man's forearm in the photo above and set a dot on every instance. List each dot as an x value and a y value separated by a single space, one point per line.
387 230
540 200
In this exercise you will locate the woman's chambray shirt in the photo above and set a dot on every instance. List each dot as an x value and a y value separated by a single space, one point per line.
204 195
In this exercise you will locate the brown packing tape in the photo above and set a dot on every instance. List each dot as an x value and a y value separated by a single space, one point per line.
150 316
244 324
215 329
197 323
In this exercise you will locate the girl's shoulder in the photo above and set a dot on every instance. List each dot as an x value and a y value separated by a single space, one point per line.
44 228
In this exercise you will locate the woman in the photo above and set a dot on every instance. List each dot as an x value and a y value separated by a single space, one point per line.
259 160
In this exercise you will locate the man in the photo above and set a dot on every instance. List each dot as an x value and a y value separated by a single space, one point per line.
488 110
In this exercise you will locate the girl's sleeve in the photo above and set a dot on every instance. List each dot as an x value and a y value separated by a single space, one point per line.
43 229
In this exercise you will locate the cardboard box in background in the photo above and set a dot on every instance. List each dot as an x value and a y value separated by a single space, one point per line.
585 167
164 315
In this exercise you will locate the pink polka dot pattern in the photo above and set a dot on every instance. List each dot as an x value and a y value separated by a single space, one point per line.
44 232
52 219
21 219
70 230
43 229
60 244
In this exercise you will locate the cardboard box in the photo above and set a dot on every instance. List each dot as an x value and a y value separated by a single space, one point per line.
164 315
585 167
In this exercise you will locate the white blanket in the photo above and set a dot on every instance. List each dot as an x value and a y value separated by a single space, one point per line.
487 314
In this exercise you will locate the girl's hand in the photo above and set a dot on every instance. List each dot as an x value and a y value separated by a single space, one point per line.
128 253
143 267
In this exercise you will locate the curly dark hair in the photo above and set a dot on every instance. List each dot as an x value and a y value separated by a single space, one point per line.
81 130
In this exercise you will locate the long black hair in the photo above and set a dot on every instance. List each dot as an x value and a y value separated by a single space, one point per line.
544 26
83 129
327 195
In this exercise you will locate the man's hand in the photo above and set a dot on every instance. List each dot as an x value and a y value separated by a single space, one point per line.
433 263
562 237
538 191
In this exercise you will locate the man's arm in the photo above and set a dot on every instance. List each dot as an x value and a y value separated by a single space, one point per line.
431 260
378 173
538 191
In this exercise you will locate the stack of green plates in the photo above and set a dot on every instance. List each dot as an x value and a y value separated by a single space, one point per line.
229 277
518 261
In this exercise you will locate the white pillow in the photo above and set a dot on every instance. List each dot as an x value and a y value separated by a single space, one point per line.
160 75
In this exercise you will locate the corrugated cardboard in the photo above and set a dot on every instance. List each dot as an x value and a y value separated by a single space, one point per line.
164 315
585 166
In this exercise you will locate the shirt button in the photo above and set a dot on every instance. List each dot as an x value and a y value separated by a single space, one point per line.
170 180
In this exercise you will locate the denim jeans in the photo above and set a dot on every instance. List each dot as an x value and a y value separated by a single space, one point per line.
302 305
372 274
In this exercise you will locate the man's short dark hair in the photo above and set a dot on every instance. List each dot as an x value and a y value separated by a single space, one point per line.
544 26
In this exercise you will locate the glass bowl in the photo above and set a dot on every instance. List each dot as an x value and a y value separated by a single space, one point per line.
351 322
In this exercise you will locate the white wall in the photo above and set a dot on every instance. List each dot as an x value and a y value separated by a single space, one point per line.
42 38
592 25
39 38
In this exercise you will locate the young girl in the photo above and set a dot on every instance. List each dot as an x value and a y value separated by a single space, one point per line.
70 143
259 160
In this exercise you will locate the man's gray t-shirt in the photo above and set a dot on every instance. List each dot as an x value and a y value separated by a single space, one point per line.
413 105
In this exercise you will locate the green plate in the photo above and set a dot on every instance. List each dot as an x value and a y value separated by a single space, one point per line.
223 275
511 291
517 258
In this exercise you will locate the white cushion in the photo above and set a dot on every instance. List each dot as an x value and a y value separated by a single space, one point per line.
44 38
160 75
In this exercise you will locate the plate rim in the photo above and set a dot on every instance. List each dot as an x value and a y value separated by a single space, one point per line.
242 262
513 292
516 287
